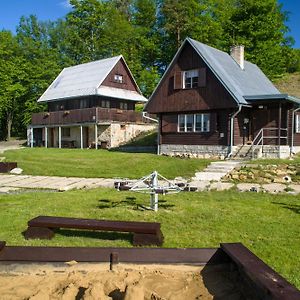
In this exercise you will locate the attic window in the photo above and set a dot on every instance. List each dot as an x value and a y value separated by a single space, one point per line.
118 78
191 78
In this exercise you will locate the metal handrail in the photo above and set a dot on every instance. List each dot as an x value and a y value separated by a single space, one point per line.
262 136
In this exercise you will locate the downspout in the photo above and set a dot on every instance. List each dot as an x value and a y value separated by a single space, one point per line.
158 130
231 130
146 117
293 129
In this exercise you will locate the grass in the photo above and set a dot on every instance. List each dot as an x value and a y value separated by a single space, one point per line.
289 83
267 224
100 163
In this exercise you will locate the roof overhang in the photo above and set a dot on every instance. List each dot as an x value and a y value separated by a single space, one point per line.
283 97
120 94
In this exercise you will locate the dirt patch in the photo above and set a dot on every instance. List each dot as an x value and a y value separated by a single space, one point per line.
125 282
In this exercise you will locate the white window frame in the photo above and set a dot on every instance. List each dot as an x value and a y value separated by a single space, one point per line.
123 105
105 103
118 78
190 74
202 122
297 124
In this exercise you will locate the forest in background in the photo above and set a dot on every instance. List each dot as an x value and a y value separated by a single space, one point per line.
146 32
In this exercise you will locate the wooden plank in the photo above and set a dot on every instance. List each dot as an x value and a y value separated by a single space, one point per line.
6 167
126 255
107 225
2 245
270 285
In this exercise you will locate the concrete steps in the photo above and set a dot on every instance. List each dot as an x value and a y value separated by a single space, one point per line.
216 170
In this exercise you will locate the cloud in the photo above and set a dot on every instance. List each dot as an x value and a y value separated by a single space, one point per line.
65 4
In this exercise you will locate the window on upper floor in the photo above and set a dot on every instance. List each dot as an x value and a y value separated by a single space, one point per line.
297 124
83 103
118 78
105 103
194 123
123 105
190 79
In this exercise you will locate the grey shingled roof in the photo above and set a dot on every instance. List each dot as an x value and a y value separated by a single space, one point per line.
85 80
250 81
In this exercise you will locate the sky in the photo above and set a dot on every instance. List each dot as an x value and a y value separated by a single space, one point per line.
12 10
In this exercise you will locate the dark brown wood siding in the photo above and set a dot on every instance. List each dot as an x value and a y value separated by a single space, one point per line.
87 115
218 134
89 102
120 69
211 96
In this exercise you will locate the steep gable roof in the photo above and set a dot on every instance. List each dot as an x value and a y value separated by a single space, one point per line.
240 83
86 79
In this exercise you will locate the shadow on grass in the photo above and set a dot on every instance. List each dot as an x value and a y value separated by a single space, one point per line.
111 236
293 207
131 203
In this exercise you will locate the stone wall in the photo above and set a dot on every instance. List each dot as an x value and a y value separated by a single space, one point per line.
269 151
197 151
123 133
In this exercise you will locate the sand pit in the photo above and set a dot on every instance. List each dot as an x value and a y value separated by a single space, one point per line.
125 282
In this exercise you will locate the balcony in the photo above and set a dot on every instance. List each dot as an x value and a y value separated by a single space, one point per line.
95 115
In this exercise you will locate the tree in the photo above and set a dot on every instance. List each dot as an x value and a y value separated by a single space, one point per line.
12 76
260 27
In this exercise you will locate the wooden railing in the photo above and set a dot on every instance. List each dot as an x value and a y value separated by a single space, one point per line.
87 115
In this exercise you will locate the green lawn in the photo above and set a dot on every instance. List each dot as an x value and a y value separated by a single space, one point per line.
100 163
267 224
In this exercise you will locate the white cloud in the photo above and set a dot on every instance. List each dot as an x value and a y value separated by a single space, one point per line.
65 4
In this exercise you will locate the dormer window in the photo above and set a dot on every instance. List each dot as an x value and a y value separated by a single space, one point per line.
118 78
190 79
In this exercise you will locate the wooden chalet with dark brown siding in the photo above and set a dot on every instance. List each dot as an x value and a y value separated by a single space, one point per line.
90 105
212 104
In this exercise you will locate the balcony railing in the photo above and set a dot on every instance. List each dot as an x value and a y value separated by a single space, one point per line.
87 115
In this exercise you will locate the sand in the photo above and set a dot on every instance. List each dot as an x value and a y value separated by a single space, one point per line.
125 282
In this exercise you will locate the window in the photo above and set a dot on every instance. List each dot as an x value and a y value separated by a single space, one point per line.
194 123
191 79
105 103
66 131
297 125
123 105
118 78
84 103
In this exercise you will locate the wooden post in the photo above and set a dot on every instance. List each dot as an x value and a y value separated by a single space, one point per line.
59 137
81 137
46 137
96 136
31 137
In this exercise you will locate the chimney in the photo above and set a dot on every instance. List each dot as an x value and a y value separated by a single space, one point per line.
237 53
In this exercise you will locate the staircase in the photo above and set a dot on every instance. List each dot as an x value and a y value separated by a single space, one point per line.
245 152
216 170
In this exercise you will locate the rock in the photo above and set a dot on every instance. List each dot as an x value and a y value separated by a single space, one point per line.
71 263
287 179
248 187
16 171
243 177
